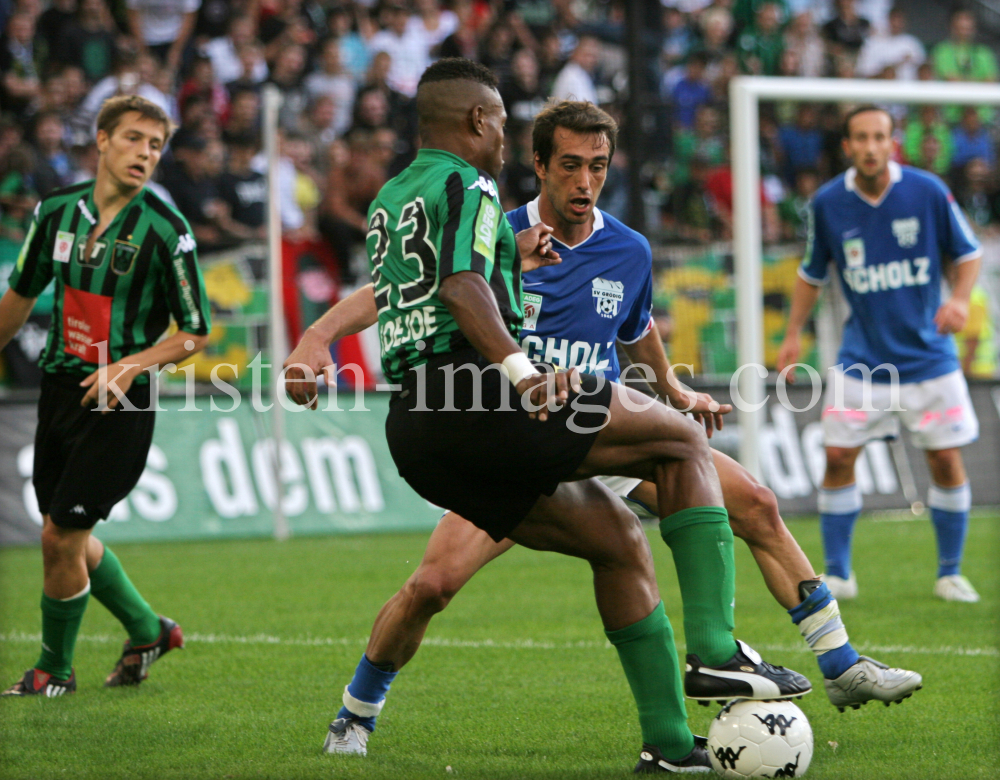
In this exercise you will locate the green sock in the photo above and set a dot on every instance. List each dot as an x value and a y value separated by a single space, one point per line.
60 625
702 545
648 656
111 586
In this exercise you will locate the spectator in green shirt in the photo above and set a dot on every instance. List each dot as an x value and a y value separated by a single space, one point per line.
927 123
960 58
761 46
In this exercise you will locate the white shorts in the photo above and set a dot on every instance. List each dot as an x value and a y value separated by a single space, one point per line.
622 486
938 413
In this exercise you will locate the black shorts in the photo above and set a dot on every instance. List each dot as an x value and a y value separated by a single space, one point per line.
489 466
86 461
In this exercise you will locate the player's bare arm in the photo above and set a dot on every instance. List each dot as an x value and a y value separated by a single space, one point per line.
180 346
14 312
954 312
649 351
804 298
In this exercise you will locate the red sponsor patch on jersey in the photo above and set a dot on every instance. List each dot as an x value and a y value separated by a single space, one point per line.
86 323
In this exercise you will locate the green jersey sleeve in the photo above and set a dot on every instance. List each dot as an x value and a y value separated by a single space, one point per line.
470 216
185 286
33 270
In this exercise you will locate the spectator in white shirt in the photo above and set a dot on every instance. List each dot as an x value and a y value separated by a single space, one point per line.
576 80
224 52
433 23
898 50
406 45
164 27
333 80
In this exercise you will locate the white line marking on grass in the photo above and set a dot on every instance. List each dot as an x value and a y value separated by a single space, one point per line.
490 644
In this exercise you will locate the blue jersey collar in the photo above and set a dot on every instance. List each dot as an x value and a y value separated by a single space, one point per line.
895 174
534 219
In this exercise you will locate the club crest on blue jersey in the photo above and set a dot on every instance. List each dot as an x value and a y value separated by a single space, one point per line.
906 231
608 296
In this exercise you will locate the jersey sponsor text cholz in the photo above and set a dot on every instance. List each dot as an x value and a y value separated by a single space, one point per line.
888 276
562 354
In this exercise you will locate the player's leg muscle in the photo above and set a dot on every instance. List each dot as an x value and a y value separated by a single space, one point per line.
946 466
64 559
840 466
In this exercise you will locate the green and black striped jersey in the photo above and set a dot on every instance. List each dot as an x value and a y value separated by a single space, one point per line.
438 217
142 271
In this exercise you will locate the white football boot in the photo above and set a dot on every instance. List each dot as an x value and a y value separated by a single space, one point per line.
955 587
840 588
870 679
346 735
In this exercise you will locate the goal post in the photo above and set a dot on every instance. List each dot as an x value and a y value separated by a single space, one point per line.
745 94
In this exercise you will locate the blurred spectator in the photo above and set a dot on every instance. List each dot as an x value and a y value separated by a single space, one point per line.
213 20
927 123
794 209
704 141
53 167
292 220
801 143
464 42
307 192
691 211
201 81
353 42
497 47
244 115
406 45
243 189
433 23
163 27
761 44
317 123
678 37
846 32
293 23
351 186
18 194
897 49
332 80
977 347
399 111
972 140
802 38
522 93
745 12
20 81
89 40
719 184
224 52
691 92
576 80
960 58
716 30
191 183
126 79
519 173
371 110
51 27
252 64
978 199
287 75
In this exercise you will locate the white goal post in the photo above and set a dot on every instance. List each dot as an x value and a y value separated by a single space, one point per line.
745 94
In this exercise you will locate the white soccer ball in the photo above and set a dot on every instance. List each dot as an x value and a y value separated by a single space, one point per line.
760 739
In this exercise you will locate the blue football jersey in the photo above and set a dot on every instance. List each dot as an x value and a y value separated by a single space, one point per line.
601 292
888 255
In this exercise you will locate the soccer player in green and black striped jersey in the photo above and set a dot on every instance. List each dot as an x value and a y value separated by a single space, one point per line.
124 264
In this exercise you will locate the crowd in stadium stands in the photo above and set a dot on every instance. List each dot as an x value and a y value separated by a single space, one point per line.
348 72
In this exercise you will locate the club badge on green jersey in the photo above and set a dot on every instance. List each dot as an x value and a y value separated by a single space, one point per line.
123 256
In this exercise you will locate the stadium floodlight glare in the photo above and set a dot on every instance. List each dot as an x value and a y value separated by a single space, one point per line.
745 94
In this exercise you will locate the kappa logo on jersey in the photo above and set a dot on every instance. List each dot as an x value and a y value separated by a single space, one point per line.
64 246
906 231
854 252
608 297
185 244
532 308
485 185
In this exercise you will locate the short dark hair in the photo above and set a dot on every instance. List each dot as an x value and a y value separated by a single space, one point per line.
578 116
115 108
864 109
459 68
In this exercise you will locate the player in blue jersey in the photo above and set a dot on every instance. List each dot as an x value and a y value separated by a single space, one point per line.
888 231
575 311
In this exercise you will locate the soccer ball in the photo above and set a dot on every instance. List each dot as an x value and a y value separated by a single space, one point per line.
760 739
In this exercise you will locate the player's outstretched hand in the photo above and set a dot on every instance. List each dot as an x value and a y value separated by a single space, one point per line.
702 407
311 358
548 392
535 246
952 316
788 354
120 375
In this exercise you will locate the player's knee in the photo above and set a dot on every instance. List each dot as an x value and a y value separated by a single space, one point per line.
758 518
431 590
627 546
57 545
840 462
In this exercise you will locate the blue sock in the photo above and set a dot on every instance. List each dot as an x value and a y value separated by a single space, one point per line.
825 633
839 509
950 515
365 696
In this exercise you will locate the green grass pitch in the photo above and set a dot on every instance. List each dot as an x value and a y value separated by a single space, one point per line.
514 681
